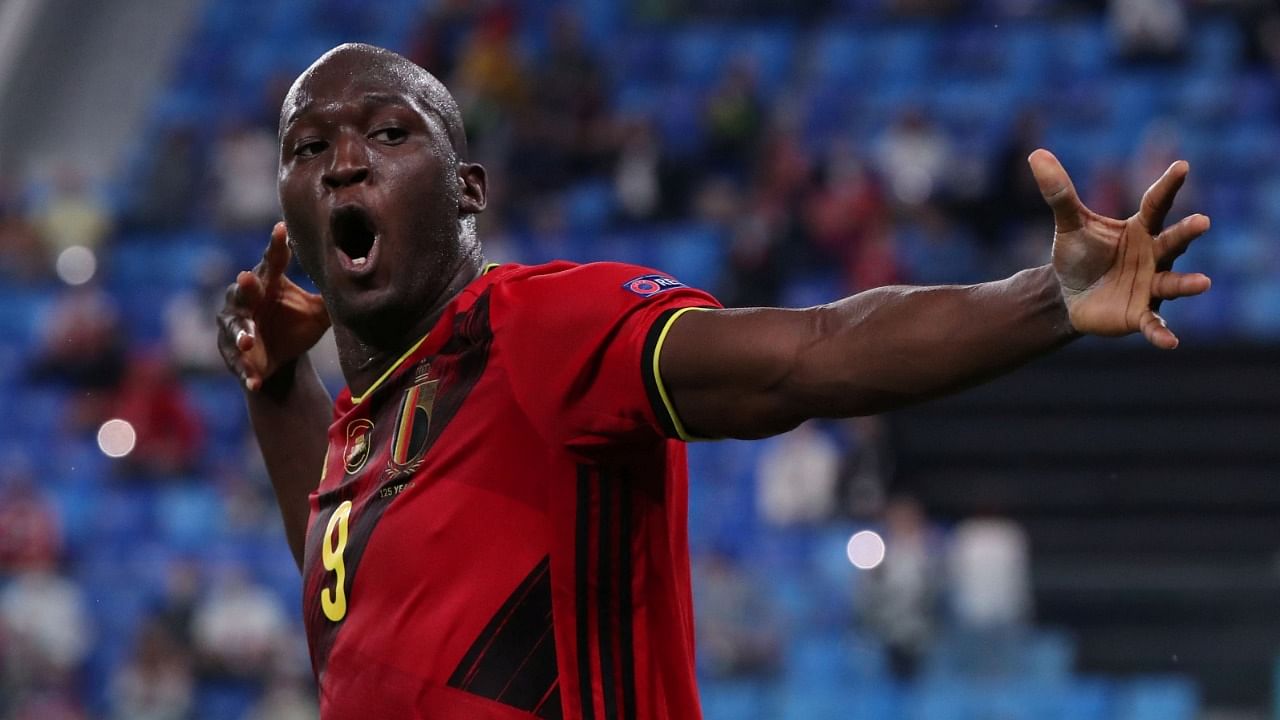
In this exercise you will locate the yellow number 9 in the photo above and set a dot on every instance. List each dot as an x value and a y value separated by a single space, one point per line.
335 604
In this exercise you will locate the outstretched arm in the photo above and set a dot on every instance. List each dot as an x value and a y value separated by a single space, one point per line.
264 331
756 372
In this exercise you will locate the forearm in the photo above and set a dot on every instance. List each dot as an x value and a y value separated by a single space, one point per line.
290 417
757 372
893 346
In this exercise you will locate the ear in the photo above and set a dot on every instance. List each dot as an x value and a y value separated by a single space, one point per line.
475 188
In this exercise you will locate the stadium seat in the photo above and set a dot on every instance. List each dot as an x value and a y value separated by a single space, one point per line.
1158 698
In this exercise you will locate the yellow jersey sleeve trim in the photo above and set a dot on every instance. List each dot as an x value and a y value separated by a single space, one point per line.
681 432
394 366
487 268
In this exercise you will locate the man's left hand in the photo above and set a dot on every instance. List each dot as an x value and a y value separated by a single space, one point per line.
1114 273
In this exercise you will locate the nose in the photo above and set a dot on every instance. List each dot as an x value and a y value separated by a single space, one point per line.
350 165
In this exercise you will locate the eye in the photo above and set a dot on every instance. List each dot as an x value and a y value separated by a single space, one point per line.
309 148
390 135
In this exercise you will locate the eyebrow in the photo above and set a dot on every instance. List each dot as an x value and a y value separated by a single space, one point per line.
370 98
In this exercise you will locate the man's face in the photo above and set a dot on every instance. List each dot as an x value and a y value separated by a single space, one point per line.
370 189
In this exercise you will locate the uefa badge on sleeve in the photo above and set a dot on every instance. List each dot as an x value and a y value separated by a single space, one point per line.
650 285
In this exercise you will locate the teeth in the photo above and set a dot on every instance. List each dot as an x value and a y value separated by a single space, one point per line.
358 261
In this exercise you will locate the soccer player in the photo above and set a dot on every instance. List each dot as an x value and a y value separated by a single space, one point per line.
491 518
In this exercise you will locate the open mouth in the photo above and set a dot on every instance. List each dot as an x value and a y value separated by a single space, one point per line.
355 236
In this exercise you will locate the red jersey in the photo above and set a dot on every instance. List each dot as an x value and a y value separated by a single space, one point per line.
500 530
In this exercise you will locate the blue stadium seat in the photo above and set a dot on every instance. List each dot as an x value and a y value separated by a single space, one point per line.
1218 46
841 702
589 206
692 253
188 515
698 54
1080 49
770 50
734 700
839 56
1158 698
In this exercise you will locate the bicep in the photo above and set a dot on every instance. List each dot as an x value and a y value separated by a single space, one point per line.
731 373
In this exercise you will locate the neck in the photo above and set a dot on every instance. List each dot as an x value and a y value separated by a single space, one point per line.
365 357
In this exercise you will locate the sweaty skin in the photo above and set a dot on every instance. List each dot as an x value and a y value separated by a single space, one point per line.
380 203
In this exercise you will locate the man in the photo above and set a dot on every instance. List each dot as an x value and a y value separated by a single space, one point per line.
491 518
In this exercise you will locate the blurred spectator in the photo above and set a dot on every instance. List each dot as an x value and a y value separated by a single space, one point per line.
489 82
244 173
47 704
847 207
900 599
1014 198
866 467
990 575
239 628
288 696
169 432
637 179
734 119
990 563
796 477
156 683
914 156
45 629
1159 147
177 607
441 34
189 318
875 262
937 250
570 96
170 187
83 349
24 259
1148 29
30 532
738 634
73 216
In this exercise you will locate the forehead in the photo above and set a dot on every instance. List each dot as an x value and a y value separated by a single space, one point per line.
325 88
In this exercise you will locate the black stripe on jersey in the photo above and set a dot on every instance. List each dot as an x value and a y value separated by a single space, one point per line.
605 613
582 563
651 379
626 644
513 661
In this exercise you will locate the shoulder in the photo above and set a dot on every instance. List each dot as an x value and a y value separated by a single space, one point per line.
575 289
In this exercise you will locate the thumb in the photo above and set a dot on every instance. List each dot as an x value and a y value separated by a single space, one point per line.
1057 190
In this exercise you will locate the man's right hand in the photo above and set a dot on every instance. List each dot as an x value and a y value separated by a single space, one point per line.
268 321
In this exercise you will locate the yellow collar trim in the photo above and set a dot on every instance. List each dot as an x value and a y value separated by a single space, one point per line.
356 400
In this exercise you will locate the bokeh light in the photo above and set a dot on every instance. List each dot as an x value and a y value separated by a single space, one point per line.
76 265
116 438
865 550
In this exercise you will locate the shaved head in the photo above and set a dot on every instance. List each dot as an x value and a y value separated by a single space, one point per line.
369 64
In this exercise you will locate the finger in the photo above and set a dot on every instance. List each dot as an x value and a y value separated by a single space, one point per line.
1174 241
238 331
1157 332
252 290
275 260
235 361
1158 198
1173 285
1057 190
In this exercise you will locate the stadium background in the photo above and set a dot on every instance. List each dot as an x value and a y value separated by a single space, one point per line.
1094 537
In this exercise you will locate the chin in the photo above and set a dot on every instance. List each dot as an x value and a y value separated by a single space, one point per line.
373 313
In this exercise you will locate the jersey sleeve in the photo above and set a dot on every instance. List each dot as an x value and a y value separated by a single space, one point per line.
581 346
